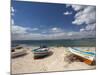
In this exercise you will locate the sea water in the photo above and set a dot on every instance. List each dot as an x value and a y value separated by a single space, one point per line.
77 42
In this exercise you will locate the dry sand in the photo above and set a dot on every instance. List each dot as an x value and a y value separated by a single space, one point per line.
54 62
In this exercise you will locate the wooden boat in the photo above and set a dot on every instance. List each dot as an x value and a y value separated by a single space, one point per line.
17 52
39 52
87 55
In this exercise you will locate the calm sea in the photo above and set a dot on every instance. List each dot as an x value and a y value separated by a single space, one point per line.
66 43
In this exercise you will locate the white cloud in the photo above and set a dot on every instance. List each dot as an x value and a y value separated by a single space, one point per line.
56 30
12 21
12 11
67 13
34 29
78 7
81 30
19 29
91 27
87 16
22 34
70 34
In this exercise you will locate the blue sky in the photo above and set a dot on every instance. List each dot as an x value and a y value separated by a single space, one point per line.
37 21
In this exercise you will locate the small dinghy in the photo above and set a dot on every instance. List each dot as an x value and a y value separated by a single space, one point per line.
16 52
40 52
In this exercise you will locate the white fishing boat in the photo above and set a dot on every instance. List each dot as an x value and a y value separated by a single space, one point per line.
18 52
86 53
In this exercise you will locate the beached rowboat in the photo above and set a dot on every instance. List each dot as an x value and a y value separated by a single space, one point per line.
87 54
39 52
18 52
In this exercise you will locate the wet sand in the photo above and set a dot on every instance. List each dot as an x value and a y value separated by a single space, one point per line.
54 62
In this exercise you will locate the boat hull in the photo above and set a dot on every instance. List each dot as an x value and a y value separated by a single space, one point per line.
18 53
40 52
86 57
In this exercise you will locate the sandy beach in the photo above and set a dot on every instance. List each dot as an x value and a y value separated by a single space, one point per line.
56 61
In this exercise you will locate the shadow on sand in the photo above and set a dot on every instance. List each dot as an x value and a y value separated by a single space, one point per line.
19 56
